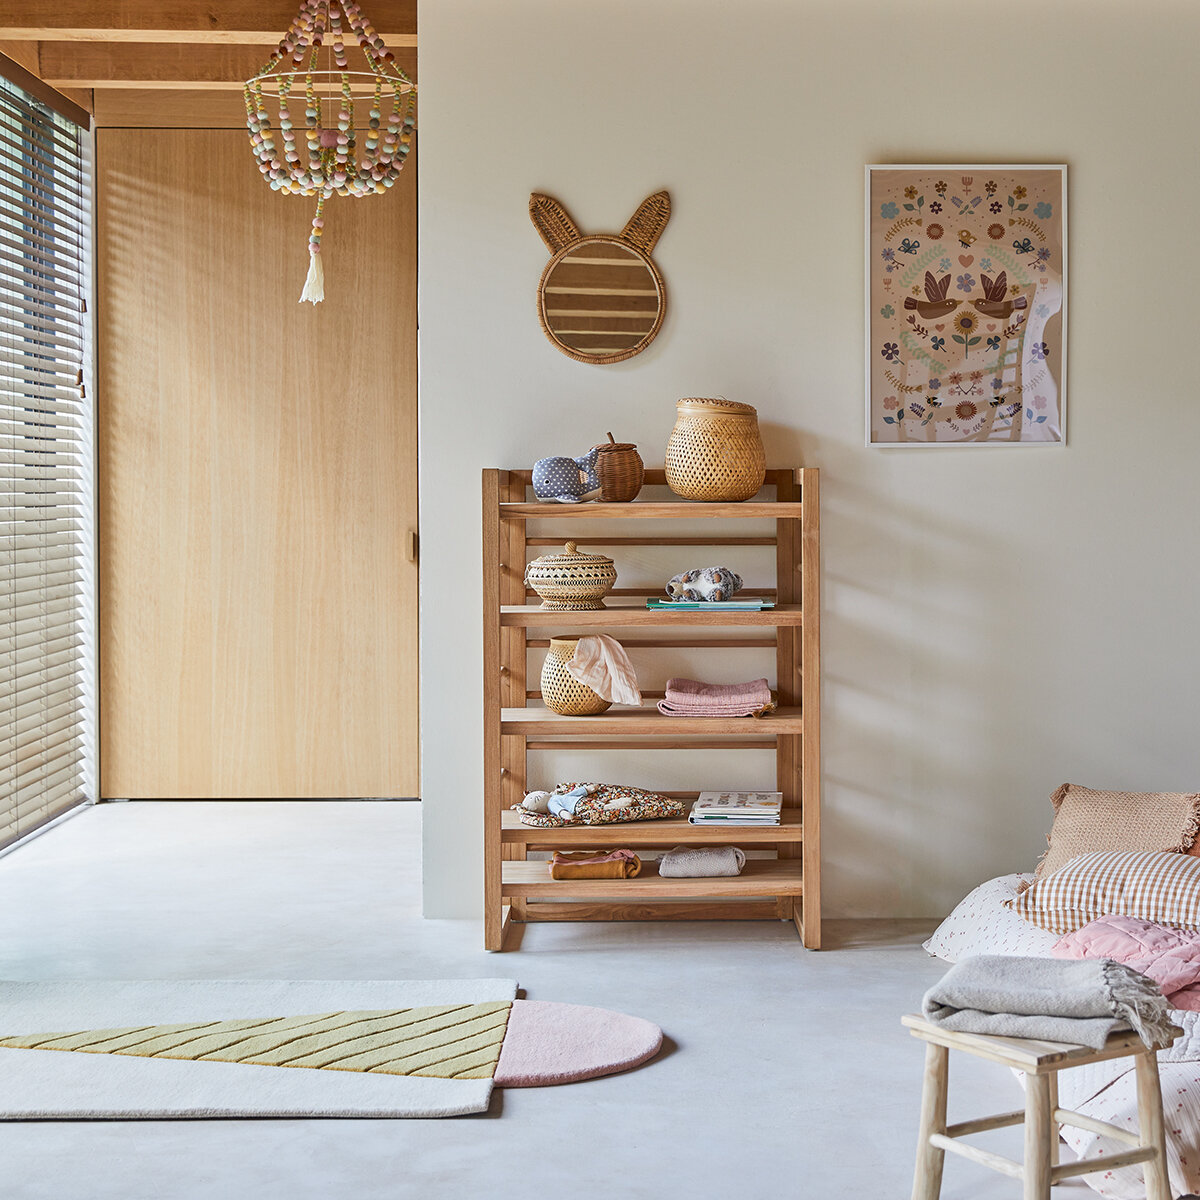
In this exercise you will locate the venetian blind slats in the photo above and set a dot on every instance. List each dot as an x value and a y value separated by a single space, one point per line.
45 467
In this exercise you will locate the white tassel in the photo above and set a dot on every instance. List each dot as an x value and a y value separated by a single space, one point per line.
314 284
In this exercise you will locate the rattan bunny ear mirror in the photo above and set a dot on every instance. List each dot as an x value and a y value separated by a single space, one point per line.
601 299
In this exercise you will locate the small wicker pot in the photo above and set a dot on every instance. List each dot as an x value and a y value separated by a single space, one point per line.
715 451
572 581
620 469
561 691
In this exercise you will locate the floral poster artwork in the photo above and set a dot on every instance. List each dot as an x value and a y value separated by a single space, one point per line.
966 289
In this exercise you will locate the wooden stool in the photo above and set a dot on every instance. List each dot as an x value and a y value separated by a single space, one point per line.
1041 1062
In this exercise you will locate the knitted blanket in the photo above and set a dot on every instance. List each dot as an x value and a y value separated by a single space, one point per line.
701 862
1054 1000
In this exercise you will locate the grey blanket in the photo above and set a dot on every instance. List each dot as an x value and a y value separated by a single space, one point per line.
687 862
1055 1000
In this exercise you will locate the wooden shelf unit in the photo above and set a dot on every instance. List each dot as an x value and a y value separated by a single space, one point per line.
786 887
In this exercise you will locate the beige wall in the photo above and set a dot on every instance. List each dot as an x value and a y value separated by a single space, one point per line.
997 621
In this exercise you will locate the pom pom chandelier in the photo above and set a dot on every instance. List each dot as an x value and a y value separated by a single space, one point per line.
332 163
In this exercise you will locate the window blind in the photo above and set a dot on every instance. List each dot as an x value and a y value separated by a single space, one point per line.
46 496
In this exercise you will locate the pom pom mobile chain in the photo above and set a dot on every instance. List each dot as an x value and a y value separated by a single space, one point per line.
333 162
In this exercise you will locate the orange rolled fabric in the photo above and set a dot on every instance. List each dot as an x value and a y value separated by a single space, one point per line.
594 864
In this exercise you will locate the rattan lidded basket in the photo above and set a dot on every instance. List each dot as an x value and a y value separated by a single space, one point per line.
621 471
573 581
715 451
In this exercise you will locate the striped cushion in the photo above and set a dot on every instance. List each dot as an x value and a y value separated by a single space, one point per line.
1155 885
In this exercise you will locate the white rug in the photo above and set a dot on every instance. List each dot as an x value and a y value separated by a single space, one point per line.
51 1084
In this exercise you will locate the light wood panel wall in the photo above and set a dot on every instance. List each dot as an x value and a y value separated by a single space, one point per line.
257 480
143 108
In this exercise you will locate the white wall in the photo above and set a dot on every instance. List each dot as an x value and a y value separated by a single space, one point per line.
997 620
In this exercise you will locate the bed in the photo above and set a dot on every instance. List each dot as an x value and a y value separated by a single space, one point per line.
982 924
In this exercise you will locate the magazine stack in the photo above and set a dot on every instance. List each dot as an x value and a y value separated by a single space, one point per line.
737 808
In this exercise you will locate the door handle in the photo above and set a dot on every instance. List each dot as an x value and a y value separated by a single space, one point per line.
413 546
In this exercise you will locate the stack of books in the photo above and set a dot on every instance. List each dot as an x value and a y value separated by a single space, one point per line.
737 808
753 605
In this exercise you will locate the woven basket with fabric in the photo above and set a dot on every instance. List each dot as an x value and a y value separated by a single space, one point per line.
561 691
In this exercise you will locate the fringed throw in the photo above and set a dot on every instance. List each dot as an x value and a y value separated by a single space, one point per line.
1053 1000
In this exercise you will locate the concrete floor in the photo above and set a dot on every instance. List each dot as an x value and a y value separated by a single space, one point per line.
785 1075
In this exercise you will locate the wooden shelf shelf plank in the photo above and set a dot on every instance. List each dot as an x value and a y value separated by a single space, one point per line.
687 643
657 591
652 833
633 722
651 510
592 539
661 910
628 613
769 877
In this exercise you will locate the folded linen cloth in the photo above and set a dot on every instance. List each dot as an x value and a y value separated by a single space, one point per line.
693 698
594 864
600 662
698 862
1055 1000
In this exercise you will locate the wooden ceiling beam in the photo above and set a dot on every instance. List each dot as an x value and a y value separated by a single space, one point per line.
130 65
215 22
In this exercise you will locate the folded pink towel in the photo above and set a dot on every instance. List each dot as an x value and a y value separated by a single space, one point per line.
693 698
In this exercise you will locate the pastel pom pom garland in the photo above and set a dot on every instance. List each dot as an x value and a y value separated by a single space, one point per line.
332 163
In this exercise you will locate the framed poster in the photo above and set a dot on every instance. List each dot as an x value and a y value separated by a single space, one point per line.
966 278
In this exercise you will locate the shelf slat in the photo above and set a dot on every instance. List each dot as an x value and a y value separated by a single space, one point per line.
653 833
651 510
708 743
700 643
632 722
769 877
591 539
662 910
659 592
618 613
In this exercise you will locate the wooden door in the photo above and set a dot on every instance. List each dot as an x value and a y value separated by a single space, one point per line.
257 480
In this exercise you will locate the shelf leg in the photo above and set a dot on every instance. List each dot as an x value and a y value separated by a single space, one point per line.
810 703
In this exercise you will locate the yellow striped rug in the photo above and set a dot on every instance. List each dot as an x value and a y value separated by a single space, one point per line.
455 1041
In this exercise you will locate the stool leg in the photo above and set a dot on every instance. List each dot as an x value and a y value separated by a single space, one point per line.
1039 1130
927 1181
1054 1138
1150 1123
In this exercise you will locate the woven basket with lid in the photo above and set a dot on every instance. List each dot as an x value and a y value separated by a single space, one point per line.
573 581
621 470
715 451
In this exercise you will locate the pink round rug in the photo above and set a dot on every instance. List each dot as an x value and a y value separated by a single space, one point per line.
548 1043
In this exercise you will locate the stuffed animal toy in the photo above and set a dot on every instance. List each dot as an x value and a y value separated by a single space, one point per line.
538 802
567 480
705 583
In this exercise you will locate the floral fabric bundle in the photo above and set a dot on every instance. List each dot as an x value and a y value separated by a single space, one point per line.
604 804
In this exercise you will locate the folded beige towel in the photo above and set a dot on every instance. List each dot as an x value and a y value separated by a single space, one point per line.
601 663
